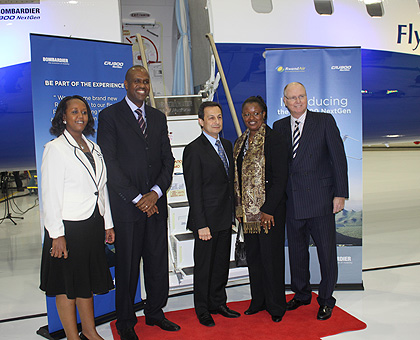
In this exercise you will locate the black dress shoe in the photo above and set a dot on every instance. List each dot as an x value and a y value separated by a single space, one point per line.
206 319
294 303
226 312
251 311
276 318
165 324
324 313
83 337
128 334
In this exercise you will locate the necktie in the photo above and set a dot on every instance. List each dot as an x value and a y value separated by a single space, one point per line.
141 122
222 155
296 138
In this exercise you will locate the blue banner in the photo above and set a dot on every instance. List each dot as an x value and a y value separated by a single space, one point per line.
333 82
94 70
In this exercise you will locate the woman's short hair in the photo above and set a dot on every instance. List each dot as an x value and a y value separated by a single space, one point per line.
255 99
58 125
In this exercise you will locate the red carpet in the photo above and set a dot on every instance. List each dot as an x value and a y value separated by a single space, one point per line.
300 324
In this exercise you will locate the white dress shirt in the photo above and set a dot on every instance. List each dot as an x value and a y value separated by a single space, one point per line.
301 121
212 141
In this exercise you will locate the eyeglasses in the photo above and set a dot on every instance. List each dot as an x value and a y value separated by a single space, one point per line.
294 98
255 114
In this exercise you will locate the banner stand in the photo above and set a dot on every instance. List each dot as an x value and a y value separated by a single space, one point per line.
95 70
333 81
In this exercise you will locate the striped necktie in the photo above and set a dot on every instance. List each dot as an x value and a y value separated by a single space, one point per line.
296 138
141 122
222 155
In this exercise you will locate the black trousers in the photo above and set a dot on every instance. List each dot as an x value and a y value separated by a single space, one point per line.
265 257
145 238
322 230
211 270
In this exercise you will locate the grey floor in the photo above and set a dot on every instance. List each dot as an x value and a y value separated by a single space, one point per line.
389 305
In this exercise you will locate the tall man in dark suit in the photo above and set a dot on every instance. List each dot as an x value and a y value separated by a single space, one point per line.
208 172
316 190
134 140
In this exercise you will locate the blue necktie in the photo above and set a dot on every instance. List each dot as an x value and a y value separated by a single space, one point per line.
222 155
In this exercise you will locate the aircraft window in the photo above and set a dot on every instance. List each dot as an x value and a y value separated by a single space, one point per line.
262 6
375 8
324 7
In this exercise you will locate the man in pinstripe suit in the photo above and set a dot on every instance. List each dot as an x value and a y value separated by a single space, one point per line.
316 190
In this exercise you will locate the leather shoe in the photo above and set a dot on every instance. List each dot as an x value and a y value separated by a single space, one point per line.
206 319
165 324
276 318
324 313
251 311
294 303
127 334
226 312
83 337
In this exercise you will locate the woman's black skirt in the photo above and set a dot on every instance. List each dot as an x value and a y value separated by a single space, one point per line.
85 271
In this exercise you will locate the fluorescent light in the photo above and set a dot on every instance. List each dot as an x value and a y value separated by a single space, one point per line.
394 136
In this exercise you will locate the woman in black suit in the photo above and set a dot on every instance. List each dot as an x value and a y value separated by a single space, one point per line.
77 218
260 157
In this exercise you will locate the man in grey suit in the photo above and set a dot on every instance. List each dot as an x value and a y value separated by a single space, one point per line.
134 140
316 190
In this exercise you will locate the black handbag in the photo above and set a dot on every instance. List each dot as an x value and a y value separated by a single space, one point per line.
240 254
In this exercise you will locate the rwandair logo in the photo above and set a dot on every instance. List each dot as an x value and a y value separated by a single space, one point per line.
281 69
